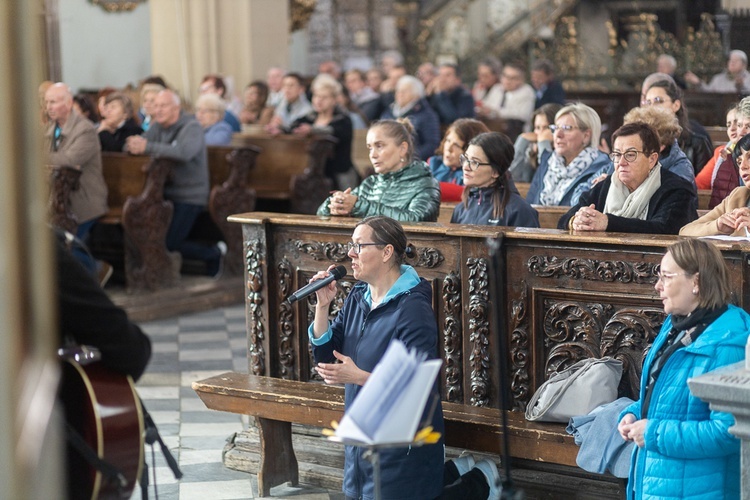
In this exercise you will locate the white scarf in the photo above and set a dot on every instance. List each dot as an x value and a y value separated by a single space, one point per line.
622 203
559 176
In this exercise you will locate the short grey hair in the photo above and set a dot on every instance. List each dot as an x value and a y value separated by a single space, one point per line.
324 82
739 53
417 87
213 102
671 61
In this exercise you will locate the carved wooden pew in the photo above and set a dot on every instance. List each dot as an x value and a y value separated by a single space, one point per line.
290 169
567 297
548 216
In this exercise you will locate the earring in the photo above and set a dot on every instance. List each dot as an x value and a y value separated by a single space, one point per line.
695 291
403 160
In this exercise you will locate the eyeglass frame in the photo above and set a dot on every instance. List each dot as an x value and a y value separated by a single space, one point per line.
656 100
612 155
563 128
473 164
351 245
665 277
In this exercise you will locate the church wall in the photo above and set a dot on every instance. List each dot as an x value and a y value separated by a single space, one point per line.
100 48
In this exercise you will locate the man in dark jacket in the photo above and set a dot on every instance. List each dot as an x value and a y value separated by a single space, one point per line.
452 100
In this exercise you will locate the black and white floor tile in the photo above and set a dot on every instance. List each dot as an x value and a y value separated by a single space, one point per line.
185 349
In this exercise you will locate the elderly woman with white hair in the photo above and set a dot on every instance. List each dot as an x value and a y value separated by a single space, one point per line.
410 103
209 111
734 79
328 118
568 171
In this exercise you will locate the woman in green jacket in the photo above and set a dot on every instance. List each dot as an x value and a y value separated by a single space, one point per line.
402 188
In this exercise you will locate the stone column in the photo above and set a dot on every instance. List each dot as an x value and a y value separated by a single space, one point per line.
728 390
239 39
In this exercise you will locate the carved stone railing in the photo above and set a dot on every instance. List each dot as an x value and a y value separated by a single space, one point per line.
568 297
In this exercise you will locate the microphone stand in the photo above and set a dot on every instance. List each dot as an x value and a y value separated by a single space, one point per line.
497 294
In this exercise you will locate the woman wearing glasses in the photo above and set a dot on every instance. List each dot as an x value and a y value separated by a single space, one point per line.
684 448
732 215
390 301
489 197
694 139
446 168
568 171
402 188
640 197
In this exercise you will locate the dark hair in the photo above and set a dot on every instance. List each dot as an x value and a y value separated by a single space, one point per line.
296 76
694 255
549 110
157 79
218 82
675 94
127 104
544 65
499 151
649 136
455 67
493 63
263 90
400 130
466 129
88 109
517 65
743 145
388 231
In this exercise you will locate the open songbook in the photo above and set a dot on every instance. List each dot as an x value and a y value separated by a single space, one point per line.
389 406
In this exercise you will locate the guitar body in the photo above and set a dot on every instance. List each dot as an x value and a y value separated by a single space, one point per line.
103 407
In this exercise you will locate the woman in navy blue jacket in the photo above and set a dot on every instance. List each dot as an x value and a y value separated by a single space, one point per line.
490 197
390 301
684 447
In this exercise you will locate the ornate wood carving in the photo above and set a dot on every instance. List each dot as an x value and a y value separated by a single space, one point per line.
572 331
254 257
519 351
426 257
479 329
145 219
234 197
326 251
452 338
286 321
117 5
300 12
576 330
592 269
312 187
338 252
63 181
628 336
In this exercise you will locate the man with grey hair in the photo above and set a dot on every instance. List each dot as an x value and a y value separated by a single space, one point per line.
409 102
179 137
71 142
735 79
668 65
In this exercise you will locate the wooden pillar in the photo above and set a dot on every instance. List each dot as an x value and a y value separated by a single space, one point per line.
29 445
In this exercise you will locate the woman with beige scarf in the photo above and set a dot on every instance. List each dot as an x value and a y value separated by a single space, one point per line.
640 197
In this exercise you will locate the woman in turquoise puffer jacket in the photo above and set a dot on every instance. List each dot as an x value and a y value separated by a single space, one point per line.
402 188
684 448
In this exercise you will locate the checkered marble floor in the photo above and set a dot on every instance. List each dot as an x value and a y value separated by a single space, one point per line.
185 349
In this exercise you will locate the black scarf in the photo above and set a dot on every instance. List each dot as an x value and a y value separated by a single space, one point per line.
685 330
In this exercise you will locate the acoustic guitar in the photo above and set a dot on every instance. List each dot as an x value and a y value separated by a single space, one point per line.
103 408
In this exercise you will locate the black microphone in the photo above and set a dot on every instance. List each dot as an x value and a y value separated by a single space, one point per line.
336 274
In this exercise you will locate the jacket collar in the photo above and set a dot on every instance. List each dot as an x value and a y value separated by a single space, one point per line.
408 280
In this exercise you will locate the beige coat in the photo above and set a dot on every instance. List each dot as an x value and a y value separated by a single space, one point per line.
80 148
706 225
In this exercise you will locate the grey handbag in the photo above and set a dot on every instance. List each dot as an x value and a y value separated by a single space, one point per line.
576 390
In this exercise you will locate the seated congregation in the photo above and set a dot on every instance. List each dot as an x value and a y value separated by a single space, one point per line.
428 282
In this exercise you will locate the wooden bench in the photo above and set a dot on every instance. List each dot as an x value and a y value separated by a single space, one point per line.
277 403
291 169
548 216
566 297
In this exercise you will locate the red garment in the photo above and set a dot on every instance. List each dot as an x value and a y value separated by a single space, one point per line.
450 191
727 178
703 179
